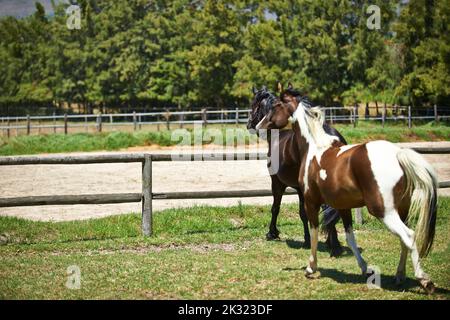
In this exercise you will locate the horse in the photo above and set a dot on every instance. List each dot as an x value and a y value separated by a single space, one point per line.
397 185
287 174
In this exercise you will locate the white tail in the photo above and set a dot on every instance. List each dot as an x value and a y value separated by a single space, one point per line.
422 184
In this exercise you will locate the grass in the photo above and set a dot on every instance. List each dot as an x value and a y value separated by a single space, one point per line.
203 253
58 143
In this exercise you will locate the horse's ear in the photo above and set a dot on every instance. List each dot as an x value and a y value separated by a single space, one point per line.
290 86
280 87
254 90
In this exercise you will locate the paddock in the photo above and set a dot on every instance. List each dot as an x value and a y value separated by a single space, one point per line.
167 177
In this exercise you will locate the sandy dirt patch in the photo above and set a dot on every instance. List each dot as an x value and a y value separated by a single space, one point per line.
39 180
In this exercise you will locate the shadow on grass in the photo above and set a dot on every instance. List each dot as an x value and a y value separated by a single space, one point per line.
387 281
321 247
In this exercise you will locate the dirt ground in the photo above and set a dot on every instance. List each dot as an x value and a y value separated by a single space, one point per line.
39 180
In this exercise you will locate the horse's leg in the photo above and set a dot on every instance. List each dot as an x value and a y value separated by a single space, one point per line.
346 216
304 218
312 211
395 225
401 269
278 189
330 218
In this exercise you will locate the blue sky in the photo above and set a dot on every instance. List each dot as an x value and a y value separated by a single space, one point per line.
22 8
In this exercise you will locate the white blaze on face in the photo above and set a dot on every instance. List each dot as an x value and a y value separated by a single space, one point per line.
258 126
323 174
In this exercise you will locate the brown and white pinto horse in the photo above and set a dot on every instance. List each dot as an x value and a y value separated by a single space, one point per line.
397 185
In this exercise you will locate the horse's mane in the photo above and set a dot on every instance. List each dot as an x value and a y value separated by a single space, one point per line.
311 123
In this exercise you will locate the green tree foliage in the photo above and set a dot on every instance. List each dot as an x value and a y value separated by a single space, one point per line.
210 53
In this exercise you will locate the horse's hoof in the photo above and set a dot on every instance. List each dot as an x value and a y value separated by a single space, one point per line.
428 285
311 274
272 236
336 252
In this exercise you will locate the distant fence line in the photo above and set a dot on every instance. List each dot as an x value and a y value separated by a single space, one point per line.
147 195
170 119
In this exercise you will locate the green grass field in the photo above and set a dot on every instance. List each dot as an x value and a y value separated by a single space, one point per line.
57 143
204 253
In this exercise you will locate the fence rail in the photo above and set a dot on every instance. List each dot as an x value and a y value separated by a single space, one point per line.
147 196
136 120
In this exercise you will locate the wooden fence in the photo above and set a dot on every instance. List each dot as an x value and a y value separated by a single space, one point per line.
169 119
146 196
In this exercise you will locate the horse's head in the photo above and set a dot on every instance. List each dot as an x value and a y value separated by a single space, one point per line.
277 117
293 96
261 105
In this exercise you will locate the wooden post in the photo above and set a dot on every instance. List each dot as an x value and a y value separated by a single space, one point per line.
358 216
409 117
204 117
99 123
54 123
221 116
436 117
157 122
147 219
168 119
65 123
28 125
140 122
17 126
181 120
383 119
8 130
134 121
355 112
237 116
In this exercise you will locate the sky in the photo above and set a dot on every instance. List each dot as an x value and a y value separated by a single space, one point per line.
23 8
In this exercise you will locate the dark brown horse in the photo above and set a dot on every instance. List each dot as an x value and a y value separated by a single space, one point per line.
397 185
287 173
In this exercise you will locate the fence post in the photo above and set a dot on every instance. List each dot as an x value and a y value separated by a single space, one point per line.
409 118
28 125
355 111
158 119
358 216
383 119
99 123
134 121
8 130
204 117
147 221
436 117
65 123
168 119
54 123
181 120
237 116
